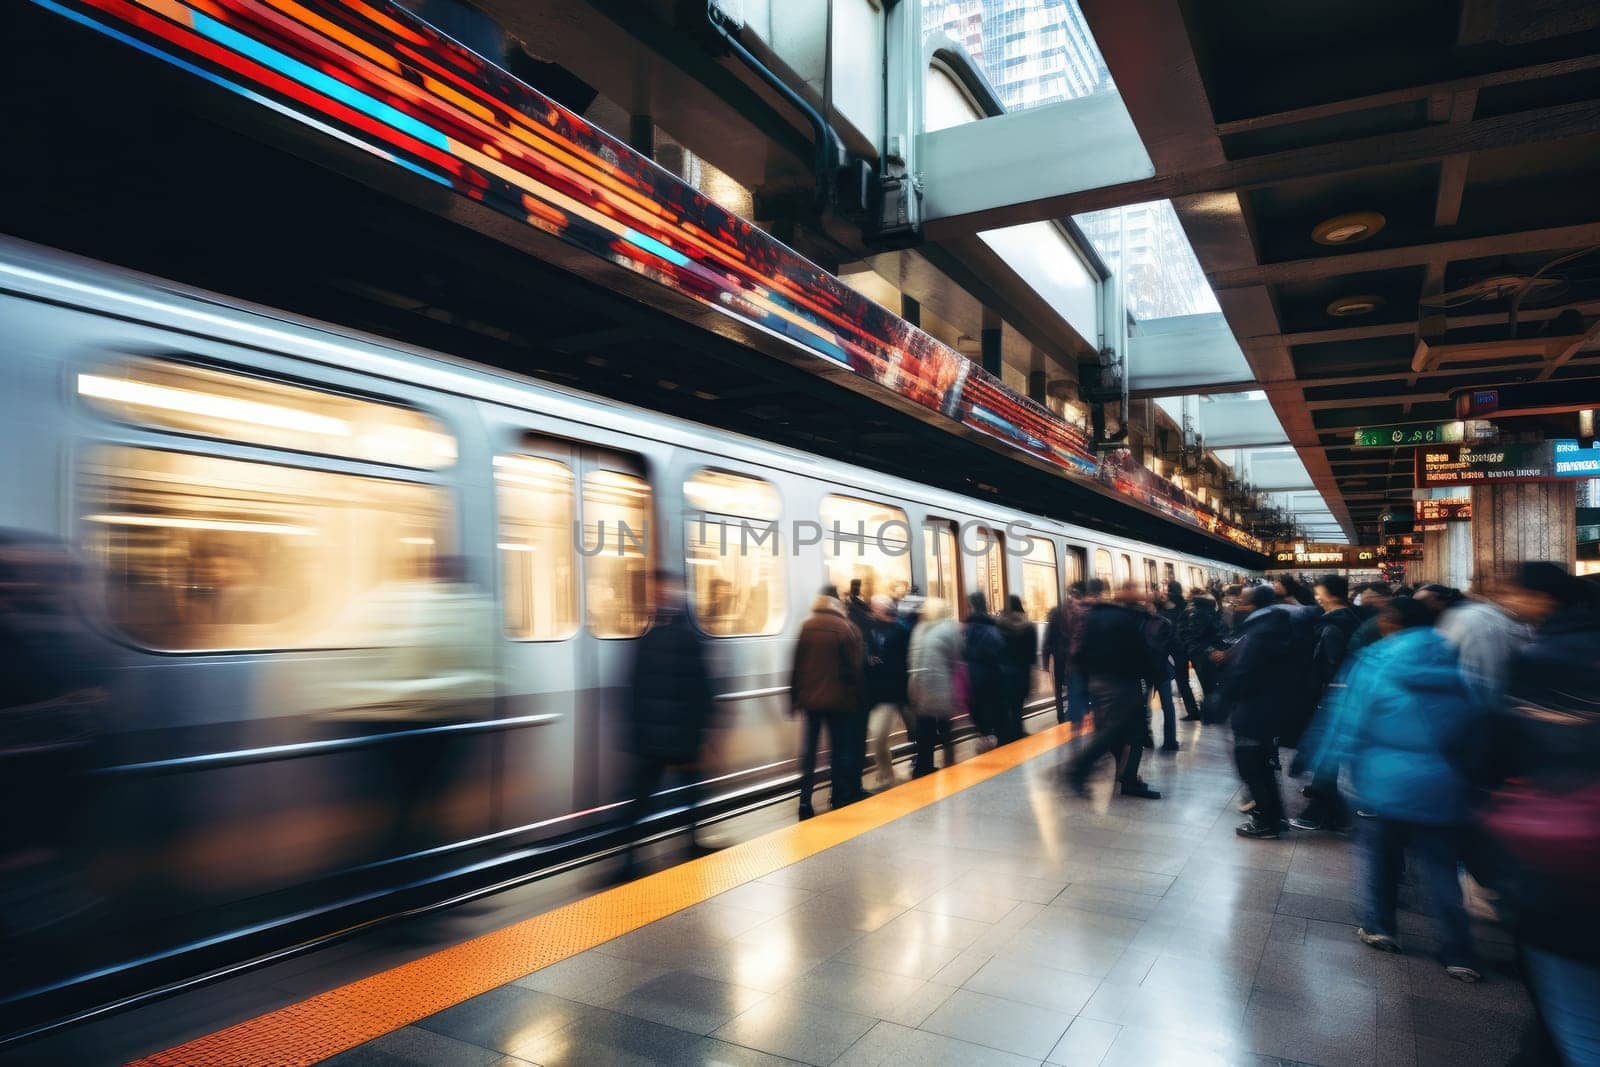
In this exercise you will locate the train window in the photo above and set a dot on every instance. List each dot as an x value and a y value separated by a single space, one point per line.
872 546
538 569
207 554
1077 564
1150 572
989 567
1040 580
1102 566
939 553
1170 571
1124 569
616 538
735 554
234 407
1197 578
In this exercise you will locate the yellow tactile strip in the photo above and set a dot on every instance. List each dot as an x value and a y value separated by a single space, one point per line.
327 1024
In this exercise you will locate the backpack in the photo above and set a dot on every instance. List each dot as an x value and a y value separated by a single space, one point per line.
1158 634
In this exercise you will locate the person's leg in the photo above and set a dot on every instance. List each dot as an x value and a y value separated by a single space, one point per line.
946 731
1568 994
1133 728
646 781
1169 713
1253 759
1438 865
844 775
922 763
1382 861
1077 696
808 759
1180 668
1060 688
884 719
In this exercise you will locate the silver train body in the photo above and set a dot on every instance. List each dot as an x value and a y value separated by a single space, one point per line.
225 800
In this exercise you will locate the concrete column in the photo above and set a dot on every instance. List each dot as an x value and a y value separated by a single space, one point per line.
1447 556
1517 523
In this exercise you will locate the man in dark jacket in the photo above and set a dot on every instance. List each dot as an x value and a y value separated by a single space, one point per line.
1117 659
1062 635
1022 652
669 703
829 687
983 648
886 640
1200 634
1258 676
1334 628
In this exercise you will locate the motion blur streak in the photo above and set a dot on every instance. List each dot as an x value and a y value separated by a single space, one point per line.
377 77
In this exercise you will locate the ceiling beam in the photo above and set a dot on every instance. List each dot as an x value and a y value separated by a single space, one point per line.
1372 101
1537 126
1575 359
1378 259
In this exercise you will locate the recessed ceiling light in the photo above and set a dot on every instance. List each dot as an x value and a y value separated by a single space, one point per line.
1348 228
1358 304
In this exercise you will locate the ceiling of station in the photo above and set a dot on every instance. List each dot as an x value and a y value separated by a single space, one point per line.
1463 135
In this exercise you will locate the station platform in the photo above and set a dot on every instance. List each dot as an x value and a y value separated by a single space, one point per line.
980 915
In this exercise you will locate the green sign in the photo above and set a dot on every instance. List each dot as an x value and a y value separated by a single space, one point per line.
1399 436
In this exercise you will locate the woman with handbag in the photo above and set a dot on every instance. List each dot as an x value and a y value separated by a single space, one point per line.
1546 814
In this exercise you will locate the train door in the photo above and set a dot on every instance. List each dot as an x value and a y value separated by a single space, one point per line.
942 561
986 549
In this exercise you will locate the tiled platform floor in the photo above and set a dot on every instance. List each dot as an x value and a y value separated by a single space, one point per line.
1010 924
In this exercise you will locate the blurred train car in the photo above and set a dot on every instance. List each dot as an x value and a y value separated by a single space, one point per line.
358 645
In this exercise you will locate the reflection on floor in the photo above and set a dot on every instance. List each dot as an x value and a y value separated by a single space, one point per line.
1010 924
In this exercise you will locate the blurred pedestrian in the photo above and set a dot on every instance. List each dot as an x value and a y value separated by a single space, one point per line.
983 647
1117 659
1412 735
1022 652
934 659
827 685
1199 635
1547 742
1259 680
1324 809
886 641
1485 638
670 704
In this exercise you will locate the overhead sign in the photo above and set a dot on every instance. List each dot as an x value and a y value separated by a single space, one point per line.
1416 434
1401 540
1574 461
1310 555
1431 527
1453 509
1414 552
1529 398
1443 465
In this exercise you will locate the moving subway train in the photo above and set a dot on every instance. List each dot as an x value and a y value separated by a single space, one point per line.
301 545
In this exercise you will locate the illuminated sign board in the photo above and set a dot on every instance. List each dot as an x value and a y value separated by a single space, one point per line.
1308 555
371 74
1574 461
1431 527
1400 436
1443 465
1454 509
1401 540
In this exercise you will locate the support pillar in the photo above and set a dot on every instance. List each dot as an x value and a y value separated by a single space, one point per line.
989 340
1514 524
1447 556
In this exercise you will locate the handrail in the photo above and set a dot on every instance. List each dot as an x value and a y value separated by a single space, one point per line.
751 694
270 753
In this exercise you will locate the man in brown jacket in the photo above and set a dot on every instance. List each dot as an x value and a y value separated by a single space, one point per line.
828 684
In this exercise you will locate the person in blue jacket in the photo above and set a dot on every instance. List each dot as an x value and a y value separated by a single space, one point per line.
1409 729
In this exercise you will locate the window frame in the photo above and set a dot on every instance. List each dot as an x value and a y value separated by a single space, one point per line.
571 463
837 545
592 461
783 571
937 525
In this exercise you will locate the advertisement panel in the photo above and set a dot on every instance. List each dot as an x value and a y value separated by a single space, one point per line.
1452 509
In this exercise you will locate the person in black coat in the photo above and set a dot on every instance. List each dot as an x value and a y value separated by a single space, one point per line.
983 648
886 640
1547 739
670 702
1258 676
1325 809
1022 652
1116 656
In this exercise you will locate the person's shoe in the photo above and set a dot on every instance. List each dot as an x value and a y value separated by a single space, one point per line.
1141 790
1170 746
1381 942
1301 822
1079 786
1189 718
806 812
1257 829
1149 739
1464 974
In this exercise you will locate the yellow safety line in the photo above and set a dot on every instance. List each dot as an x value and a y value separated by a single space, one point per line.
342 1018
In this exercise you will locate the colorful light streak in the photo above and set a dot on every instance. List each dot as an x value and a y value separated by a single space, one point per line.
374 75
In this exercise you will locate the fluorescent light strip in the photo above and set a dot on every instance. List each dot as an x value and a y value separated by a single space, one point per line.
208 405
229 525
